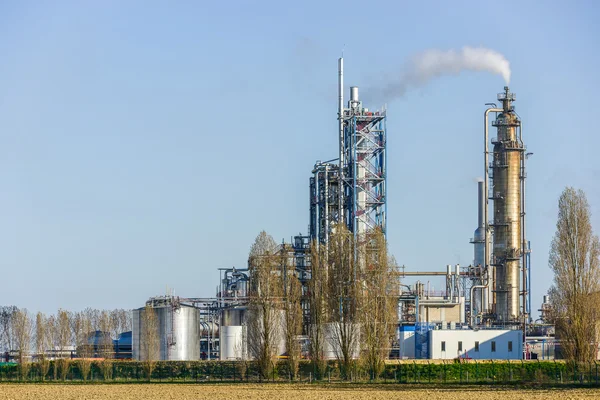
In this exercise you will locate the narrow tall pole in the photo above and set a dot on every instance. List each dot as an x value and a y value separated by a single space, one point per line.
341 139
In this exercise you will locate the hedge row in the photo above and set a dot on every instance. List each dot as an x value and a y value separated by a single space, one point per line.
402 372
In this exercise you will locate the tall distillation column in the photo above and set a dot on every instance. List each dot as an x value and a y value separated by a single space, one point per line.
507 176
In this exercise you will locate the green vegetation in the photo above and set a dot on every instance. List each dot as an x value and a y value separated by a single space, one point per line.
410 372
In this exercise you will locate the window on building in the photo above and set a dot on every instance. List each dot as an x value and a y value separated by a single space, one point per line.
510 346
476 346
459 346
493 346
443 346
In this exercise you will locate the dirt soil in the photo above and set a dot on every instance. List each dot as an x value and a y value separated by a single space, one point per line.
280 391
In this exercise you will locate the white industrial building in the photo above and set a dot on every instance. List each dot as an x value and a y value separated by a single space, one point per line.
406 341
482 344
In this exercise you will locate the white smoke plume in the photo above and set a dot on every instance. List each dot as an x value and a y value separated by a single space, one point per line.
430 64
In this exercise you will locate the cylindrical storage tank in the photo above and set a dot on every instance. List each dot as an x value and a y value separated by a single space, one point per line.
183 340
136 333
232 334
233 316
255 327
231 343
178 332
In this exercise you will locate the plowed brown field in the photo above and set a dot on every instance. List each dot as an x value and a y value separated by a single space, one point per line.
275 391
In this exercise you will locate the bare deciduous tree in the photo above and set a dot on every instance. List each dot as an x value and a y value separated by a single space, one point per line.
265 313
42 343
292 298
317 303
52 334
63 340
93 317
105 344
380 300
150 340
125 320
7 314
22 330
575 295
344 297
84 339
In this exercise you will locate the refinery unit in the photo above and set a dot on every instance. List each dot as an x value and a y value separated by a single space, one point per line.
484 309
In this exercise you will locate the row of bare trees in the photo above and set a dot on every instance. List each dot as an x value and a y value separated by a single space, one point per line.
28 337
360 298
351 300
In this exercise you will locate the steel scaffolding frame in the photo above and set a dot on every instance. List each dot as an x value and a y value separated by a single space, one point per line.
364 170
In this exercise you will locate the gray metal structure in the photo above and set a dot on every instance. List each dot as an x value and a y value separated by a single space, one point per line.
324 195
352 191
363 168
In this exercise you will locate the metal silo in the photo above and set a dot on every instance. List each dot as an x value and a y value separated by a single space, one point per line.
232 334
136 334
178 329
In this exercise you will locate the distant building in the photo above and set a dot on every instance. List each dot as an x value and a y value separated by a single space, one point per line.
482 344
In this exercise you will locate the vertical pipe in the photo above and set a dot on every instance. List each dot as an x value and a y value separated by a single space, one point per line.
524 246
208 336
478 304
485 183
341 138
480 204
457 283
472 322
529 277
482 263
317 201
354 215
326 203
449 282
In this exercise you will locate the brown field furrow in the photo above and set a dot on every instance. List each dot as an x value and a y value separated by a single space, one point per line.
275 391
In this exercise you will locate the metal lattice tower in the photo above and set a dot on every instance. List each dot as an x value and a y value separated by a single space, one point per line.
364 167
360 200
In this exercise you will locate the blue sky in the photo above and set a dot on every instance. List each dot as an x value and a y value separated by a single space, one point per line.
145 144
